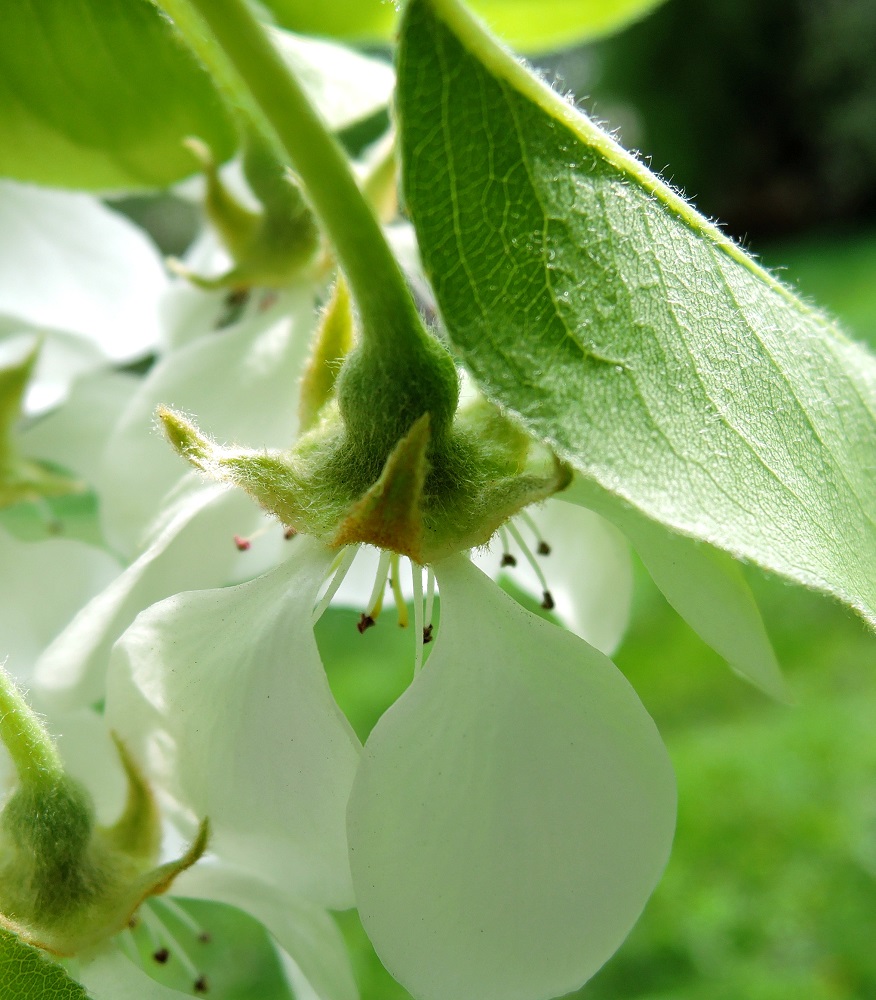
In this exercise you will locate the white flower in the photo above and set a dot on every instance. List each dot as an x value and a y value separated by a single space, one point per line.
507 818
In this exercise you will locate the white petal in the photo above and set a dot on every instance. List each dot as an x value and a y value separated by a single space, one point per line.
194 548
69 264
320 962
75 435
589 571
356 88
240 385
42 586
513 810
91 757
223 696
705 586
111 975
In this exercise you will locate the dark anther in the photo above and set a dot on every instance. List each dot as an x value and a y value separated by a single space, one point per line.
161 956
237 297
235 301
289 533
242 543
547 601
427 634
201 984
134 921
543 548
365 622
508 559
204 937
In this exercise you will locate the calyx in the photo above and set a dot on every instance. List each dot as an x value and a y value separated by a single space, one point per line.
388 459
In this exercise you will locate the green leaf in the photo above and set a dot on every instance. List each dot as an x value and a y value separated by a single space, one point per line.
26 973
531 24
619 326
99 94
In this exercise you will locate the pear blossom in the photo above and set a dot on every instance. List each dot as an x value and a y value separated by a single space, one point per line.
545 778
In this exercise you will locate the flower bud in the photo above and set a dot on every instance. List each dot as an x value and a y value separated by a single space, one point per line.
66 883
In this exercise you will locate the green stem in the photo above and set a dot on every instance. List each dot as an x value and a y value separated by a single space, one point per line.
372 273
31 748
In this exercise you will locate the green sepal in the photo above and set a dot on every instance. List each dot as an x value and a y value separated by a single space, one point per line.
424 501
269 247
389 515
332 343
67 884
23 480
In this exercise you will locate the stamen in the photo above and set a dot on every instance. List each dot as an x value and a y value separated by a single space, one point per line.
507 558
244 542
128 945
365 622
289 533
419 631
375 601
160 933
542 547
340 567
153 927
547 601
201 985
430 604
268 299
400 602
184 917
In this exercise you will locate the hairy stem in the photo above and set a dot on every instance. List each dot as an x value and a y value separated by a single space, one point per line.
376 283
31 748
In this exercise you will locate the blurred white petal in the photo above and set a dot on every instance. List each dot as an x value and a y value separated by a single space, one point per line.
241 386
42 586
69 264
75 434
223 697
